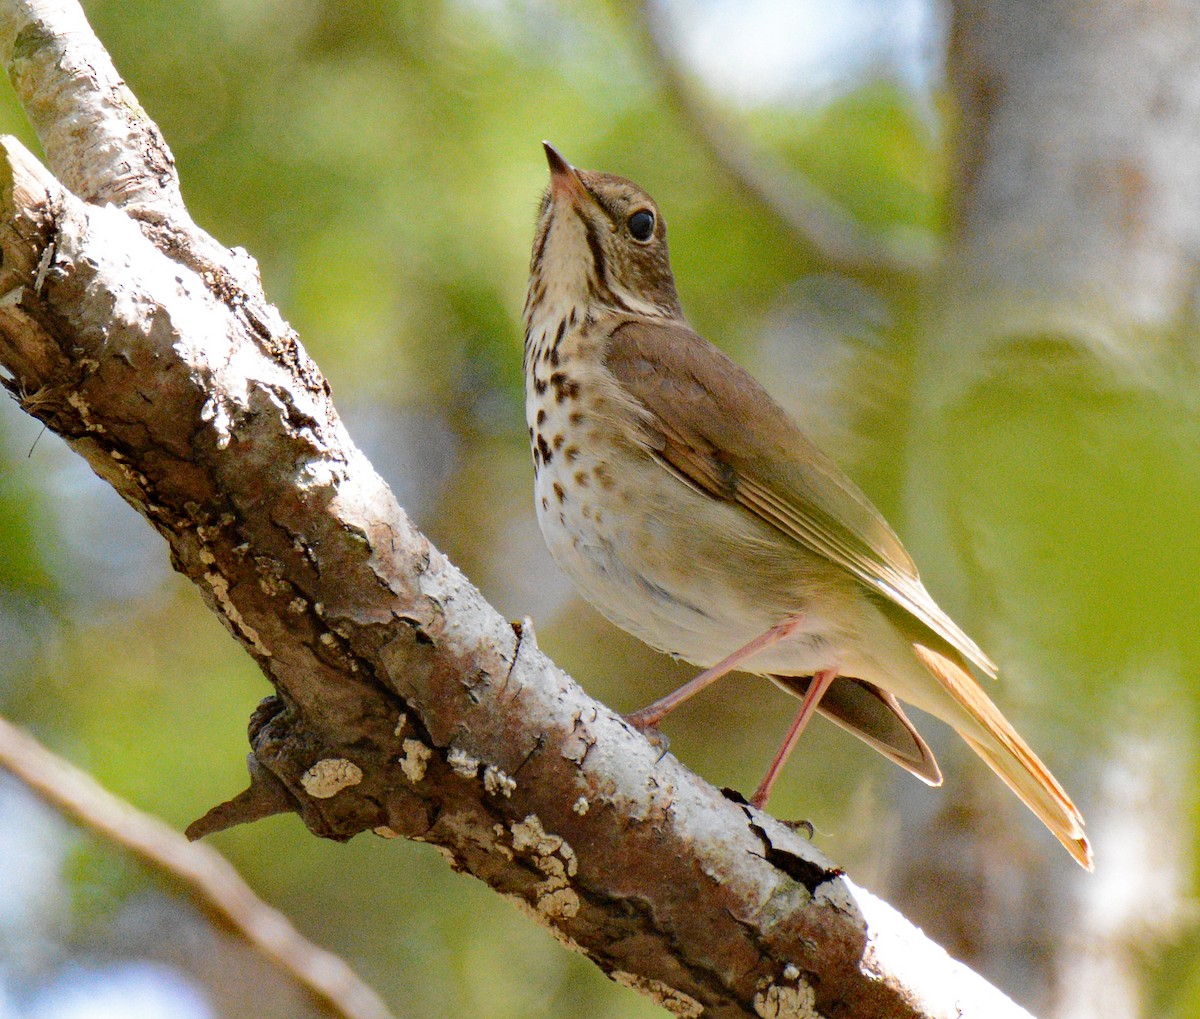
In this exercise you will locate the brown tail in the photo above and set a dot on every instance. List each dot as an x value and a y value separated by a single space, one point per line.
1010 757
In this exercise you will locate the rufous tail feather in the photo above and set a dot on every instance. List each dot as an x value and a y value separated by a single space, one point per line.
1010 757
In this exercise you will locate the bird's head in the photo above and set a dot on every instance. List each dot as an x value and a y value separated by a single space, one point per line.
601 243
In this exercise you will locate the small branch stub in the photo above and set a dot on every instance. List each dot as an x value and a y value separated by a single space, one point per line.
265 797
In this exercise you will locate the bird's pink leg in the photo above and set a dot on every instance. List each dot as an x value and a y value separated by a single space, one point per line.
812 697
651 715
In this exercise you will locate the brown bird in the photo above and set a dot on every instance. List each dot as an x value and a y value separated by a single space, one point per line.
692 512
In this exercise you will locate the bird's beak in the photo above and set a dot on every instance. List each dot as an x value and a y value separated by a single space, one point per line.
564 178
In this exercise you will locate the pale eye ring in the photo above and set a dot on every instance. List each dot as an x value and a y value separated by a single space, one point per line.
641 225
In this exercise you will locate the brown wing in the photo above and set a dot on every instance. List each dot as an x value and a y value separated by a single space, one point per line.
876 718
710 422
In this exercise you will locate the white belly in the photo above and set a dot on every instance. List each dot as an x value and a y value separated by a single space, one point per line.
653 564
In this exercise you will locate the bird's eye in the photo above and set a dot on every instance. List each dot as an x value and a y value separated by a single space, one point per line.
641 225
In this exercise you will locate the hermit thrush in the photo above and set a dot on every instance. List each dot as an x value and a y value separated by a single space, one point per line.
691 511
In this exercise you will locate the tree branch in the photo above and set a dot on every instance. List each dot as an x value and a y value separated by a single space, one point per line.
404 703
217 887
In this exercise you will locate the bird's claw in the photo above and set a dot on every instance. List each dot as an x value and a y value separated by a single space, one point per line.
802 825
657 738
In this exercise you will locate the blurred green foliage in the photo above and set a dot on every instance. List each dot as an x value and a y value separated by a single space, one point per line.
382 162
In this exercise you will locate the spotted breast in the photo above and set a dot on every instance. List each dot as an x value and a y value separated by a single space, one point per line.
693 512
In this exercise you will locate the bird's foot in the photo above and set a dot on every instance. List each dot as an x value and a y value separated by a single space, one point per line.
801 826
658 739
645 721
806 827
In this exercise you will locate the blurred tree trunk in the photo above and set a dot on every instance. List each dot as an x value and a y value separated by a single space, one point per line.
1055 472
